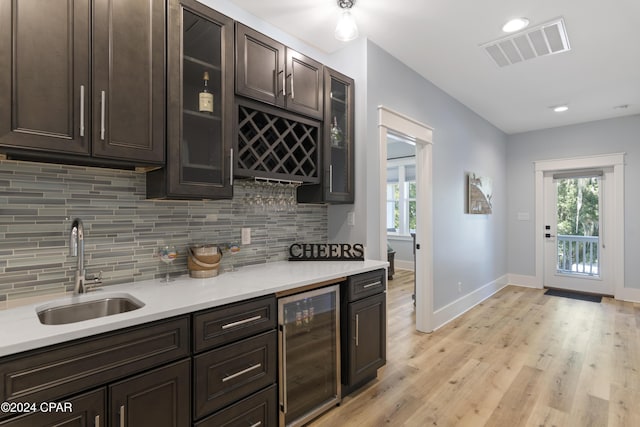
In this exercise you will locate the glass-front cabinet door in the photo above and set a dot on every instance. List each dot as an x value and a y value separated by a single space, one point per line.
339 137
337 143
199 105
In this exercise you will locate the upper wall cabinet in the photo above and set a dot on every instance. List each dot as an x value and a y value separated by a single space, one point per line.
338 144
200 105
270 72
53 102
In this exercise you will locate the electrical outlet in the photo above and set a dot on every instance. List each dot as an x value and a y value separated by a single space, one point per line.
351 218
246 236
459 287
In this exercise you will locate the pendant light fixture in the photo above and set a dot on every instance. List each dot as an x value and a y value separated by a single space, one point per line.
346 30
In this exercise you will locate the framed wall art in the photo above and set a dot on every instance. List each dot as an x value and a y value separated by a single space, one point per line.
480 194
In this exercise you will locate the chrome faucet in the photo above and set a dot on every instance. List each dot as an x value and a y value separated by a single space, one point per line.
76 249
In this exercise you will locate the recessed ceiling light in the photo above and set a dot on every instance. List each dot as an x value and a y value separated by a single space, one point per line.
515 25
560 108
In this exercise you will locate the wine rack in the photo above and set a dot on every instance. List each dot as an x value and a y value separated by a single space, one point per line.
278 146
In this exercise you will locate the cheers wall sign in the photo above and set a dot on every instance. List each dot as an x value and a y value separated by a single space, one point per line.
326 252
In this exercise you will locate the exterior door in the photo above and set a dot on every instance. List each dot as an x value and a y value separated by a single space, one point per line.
577 217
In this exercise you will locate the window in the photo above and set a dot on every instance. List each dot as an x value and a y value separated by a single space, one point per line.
401 197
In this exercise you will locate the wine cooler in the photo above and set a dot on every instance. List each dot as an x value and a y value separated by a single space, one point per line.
309 356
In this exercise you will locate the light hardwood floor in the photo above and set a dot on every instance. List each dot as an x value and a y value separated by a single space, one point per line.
520 358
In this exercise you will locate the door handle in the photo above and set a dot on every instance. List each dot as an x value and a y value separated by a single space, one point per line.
291 88
357 330
102 101
122 416
81 110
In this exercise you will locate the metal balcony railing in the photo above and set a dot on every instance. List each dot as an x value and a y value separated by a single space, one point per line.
578 254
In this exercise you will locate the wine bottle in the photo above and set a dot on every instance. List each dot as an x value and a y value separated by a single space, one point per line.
206 97
336 133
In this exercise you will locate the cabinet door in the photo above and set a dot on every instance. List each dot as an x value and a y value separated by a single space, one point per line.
339 137
304 89
129 80
337 145
199 138
367 346
44 75
157 398
88 410
260 66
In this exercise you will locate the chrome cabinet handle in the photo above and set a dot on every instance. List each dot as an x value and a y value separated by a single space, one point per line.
244 371
81 110
284 84
330 178
283 386
102 101
372 284
231 166
241 322
357 329
259 423
96 421
122 418
291 84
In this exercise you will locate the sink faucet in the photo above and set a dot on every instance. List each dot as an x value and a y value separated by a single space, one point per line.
76 249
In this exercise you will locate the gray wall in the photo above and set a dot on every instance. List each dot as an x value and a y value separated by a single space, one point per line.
601 137
38 201
471 249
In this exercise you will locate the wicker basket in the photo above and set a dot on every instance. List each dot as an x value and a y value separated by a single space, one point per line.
203 261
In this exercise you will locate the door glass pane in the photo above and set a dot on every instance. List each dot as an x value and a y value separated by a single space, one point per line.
340 144
200 151
578 225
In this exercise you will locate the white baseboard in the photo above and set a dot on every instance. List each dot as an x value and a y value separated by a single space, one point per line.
628 294
523 281
460 306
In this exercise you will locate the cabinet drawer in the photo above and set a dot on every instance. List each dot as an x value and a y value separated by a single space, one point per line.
232 322
259 409
53 372
365 284
229 373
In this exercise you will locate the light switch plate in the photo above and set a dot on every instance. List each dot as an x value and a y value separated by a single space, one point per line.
246 236
351 218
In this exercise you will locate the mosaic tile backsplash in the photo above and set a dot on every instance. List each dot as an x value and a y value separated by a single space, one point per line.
38 202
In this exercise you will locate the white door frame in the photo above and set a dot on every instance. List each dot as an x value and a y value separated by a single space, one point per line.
615 236
423 135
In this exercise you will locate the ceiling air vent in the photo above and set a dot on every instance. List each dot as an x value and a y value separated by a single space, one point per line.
544 39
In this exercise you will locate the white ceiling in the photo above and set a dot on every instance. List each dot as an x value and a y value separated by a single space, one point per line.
440 40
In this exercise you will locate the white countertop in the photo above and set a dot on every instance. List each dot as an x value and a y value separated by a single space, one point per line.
21 330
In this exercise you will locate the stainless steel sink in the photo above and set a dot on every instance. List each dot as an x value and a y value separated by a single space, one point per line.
79 309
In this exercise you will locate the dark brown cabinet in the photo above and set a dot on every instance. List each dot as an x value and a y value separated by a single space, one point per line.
83 78
270 72
364 328
337 184
128 95
88 411
158 398
234 379
45 75
199 138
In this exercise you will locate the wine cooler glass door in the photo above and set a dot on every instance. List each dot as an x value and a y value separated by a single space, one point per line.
309 339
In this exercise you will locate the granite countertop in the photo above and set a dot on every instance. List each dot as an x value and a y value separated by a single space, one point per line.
21 330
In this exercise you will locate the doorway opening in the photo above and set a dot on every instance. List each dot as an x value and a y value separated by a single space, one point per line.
415 196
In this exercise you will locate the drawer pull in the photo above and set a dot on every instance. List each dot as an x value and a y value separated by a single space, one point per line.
372 284
241 322
244 371
258 424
